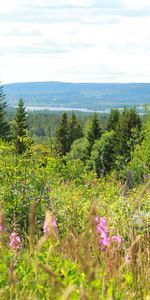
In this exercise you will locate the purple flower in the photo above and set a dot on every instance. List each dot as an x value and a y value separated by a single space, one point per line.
15 242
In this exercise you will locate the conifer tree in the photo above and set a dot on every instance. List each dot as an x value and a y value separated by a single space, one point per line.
62 135
74 130
113 119
4 125
20 127
127 133
94 132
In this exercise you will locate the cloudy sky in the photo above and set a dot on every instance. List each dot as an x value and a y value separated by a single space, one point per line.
75 40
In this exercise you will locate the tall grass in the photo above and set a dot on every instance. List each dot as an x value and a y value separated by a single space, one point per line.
63 250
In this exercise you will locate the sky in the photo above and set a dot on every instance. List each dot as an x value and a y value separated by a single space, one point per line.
75 40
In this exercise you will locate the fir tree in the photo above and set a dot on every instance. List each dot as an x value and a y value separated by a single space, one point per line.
127 133
74 130
20 127
4 125
113 119
94 132
62 135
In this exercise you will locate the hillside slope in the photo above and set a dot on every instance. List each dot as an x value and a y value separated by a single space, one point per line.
95 96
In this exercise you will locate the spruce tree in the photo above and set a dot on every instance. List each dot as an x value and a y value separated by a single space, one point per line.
94 132
62 135
74 130
20 127
4 125
127 133
113 119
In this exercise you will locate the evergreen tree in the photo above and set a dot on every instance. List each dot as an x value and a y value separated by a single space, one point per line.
94 132
20 127
113 119
4 125
74 130
62 135
127 133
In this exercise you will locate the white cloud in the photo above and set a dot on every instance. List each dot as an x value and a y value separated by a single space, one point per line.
90 40
136 4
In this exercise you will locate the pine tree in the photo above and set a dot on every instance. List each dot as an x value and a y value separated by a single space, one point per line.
62 135
4 125
94 132
74 130
20 127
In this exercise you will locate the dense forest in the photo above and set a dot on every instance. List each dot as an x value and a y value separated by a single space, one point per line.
74 204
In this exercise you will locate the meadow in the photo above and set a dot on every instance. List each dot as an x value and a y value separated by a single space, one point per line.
67 234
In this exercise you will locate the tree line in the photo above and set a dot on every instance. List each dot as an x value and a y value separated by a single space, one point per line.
100 148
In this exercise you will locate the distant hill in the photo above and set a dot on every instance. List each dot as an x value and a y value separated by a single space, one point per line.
93 96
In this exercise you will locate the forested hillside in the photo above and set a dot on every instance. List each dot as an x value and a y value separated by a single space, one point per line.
93 96
74 206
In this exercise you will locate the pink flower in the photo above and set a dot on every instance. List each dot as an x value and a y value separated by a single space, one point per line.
105 241
102 231
15 242
50 224
54 222
103 222
117 239
103 236
127 259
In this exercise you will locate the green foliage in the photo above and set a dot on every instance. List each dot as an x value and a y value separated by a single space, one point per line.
79 149
93 132
62 135
4 125
22 140
67 132
127 135
74 129
102 155
140 162
113 119
69 263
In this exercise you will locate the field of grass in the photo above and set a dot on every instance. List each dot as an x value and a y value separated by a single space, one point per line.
65 234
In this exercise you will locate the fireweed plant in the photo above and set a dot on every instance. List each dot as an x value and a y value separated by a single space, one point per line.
75 236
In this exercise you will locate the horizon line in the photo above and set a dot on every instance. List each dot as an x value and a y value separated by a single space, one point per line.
72 82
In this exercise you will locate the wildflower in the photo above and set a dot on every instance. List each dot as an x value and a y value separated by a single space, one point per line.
102 231
127 259
15 242
103 236
105 241
54 222
116 238
50 224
